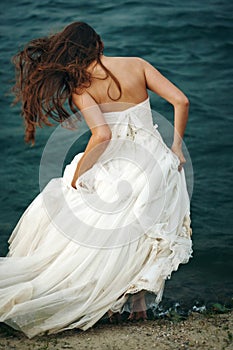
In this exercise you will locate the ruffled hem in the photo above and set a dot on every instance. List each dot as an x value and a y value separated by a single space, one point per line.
181 252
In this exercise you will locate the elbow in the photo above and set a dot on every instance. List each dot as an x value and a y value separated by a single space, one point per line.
186 102
104 136
183 101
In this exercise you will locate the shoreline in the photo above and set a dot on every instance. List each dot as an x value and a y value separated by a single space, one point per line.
197 331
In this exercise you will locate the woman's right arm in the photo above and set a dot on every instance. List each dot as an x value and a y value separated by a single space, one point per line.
159 84
101 134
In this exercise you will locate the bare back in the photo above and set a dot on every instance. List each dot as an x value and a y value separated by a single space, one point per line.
130 74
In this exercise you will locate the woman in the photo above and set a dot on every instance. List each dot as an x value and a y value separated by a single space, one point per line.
117 223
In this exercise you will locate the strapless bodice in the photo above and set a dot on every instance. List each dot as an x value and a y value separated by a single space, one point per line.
139 115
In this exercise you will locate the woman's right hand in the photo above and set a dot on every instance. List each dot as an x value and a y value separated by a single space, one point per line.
177 149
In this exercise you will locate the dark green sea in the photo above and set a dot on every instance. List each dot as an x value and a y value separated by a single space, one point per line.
191 43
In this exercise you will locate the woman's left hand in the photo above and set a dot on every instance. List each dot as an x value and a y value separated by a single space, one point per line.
178 151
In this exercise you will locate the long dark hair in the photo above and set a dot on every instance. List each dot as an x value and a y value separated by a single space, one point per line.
50 69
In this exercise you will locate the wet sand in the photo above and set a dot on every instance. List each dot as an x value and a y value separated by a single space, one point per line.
198 331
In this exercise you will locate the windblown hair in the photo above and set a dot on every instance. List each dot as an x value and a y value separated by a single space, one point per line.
50 69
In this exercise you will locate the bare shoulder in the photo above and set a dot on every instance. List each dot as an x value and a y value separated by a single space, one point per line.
129 60
144 63
124 61
136 64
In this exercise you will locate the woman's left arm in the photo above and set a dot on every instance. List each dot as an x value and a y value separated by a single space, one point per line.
101 133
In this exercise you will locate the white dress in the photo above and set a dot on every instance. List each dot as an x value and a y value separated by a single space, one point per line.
75 254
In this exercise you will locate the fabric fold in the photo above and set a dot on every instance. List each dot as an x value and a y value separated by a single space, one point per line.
75 254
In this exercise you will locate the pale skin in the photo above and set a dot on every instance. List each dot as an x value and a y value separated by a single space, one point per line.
135 76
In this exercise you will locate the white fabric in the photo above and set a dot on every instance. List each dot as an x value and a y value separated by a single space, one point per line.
75 254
